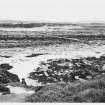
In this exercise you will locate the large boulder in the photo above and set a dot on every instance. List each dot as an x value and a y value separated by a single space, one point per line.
5 75
4 89
5 66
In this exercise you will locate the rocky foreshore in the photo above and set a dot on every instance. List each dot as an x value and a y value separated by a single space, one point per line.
68 70
6 77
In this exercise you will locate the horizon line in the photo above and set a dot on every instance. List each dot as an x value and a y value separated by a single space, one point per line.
48 21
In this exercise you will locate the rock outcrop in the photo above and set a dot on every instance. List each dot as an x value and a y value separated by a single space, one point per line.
6 76
4 90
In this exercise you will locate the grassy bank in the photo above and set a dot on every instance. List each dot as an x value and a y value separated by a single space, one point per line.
90 91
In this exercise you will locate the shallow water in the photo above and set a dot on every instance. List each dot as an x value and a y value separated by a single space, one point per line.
23 65
19 90
18 94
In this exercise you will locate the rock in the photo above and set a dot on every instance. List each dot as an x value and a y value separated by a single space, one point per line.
5 66
4 90
103 68
89 77
6 77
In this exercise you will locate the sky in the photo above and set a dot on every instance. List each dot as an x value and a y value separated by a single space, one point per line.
53 10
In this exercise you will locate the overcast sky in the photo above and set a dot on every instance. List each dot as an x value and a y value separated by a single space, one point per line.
53 10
